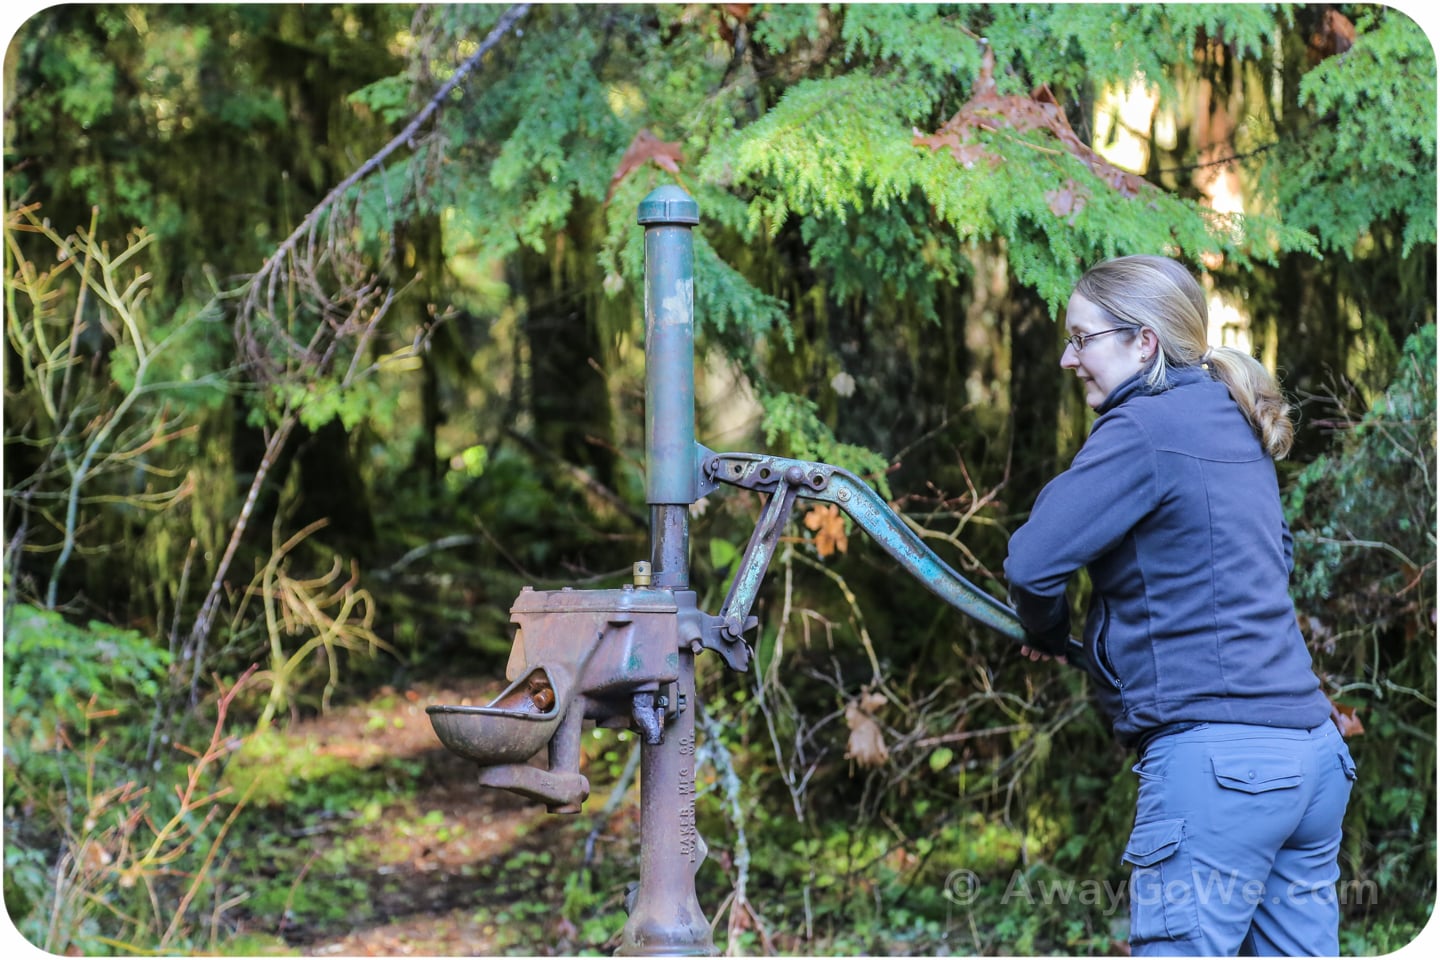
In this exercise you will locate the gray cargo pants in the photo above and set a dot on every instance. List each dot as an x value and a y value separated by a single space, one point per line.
1236 842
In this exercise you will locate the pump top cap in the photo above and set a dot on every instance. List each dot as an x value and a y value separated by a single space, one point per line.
669 204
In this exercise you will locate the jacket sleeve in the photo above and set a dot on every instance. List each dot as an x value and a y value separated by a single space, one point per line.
1080 515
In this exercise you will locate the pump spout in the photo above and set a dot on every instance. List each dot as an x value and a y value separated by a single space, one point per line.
647 710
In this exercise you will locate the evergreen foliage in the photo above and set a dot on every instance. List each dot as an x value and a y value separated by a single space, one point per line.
1365 527
1371 155
298 419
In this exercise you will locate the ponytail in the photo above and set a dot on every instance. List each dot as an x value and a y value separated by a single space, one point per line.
1257 394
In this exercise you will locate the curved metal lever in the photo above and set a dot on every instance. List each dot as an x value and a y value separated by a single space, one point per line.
786 479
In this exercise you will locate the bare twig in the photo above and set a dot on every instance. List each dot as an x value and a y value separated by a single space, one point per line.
425 549
1367 544
964 735
877 678
200 633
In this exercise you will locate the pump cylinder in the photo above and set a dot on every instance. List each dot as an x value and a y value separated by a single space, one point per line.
668 214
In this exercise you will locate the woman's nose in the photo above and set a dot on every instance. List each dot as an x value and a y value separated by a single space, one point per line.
1069 359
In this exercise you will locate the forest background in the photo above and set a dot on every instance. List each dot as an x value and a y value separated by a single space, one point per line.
323 339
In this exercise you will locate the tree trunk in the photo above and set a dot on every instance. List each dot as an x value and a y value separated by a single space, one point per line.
569 398
1035 379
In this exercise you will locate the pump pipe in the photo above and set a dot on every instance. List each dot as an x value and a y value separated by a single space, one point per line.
665 918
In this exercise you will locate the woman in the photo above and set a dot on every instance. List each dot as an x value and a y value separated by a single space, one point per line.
1173 508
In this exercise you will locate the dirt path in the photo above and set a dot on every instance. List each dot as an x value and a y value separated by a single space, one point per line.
432 887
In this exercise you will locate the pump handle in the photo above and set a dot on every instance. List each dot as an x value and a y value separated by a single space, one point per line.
786 479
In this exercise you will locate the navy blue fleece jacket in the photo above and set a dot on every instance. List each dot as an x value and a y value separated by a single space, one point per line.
1173 507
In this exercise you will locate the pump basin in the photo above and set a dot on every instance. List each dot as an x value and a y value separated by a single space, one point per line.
510 729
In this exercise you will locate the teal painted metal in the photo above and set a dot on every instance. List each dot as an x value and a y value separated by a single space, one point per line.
668 205
667 215
785 480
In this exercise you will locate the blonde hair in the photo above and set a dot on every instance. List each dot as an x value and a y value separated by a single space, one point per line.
1162 296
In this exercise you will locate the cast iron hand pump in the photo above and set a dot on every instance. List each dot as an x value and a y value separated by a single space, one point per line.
625 657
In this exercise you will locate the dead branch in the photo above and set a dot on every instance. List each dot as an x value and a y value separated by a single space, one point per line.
269 274
351 316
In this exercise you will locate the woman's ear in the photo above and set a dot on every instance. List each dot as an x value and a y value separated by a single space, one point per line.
1149 343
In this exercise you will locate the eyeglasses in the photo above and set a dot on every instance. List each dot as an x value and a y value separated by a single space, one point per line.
1079 340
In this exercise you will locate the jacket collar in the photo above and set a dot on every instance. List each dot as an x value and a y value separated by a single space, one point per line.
1137 386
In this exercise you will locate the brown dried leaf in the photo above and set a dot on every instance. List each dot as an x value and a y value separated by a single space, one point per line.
990 111
946 139
1335 35
829 527
1066 201
985 80
647 146
1346 721
737 12
563 929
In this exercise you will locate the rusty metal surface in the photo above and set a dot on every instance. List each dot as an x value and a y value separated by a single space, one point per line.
577 655
560 791
665 917
670 546
561 786
510 729
612 642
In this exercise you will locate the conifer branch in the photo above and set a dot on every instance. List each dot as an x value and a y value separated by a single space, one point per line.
269 274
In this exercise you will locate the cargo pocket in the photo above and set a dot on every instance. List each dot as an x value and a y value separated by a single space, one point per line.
1162 889
1347 763
1257 771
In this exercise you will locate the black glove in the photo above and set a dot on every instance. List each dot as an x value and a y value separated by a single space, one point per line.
1046 621
1054 642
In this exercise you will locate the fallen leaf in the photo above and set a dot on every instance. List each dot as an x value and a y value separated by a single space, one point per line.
1346 720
